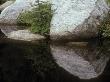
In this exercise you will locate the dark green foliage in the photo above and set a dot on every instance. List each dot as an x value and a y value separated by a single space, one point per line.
108 0
104 28
26 62
38 19
2 1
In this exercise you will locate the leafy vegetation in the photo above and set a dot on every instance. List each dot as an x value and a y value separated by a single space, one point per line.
106 25
38 20
108 0
104 28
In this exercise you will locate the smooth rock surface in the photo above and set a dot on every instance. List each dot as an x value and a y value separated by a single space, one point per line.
24 35
10 14
76 19
85 62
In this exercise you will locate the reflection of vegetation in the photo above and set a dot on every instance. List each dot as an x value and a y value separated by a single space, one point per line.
41 58
38 19
24 61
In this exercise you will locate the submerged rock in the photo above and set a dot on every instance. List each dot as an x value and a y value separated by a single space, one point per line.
77 19
84 62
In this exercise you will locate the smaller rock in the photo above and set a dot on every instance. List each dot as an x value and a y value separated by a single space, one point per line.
24 35
6 4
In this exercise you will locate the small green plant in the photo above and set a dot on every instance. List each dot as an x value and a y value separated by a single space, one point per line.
104 28
38 20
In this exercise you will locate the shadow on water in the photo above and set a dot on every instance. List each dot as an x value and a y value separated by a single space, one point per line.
26 62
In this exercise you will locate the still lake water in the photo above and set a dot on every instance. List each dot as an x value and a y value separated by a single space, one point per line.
48 62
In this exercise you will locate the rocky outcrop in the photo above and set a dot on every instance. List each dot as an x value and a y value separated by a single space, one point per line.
8 21
85 62
77 19
72 19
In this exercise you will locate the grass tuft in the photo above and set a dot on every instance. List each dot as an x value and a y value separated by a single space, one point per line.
38 20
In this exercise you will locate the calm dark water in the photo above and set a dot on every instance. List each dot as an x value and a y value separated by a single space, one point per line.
34 62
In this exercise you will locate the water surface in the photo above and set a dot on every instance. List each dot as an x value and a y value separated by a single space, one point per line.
44 61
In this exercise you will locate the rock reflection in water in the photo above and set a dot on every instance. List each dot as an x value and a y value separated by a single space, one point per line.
86 62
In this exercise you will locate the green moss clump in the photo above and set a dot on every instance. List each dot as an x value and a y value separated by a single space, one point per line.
38 20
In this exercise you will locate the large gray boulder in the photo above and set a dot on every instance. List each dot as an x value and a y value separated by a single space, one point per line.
83 61
77 19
